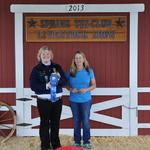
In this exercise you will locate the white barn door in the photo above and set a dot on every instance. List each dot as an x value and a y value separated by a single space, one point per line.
129 118
122 122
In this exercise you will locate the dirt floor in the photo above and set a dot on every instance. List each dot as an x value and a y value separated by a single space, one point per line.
98 143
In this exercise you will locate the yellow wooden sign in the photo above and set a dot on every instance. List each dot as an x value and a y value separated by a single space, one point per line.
75 29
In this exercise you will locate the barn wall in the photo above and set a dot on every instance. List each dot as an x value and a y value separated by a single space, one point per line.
110 60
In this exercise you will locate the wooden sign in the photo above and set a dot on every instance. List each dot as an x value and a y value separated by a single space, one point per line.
76 29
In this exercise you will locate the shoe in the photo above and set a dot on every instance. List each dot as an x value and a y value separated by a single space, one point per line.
46 149
87 146
77 145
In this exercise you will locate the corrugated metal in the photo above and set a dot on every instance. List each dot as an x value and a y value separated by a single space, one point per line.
7 59
8 98
109 60
144 47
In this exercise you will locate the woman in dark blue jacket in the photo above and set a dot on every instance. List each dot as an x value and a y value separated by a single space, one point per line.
49 111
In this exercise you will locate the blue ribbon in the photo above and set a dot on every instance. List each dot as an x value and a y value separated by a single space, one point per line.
53 81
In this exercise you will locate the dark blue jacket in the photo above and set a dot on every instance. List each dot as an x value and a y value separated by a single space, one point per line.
40 76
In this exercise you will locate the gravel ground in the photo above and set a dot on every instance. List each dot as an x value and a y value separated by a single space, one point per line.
98 143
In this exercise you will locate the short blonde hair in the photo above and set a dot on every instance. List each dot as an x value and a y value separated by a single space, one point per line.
42 49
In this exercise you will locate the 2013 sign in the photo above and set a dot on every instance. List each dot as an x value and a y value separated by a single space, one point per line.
76 7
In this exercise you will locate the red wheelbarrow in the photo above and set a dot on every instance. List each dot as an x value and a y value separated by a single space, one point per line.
70 148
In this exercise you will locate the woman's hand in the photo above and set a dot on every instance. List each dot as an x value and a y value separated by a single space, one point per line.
58 74
74 90
48 85
81 91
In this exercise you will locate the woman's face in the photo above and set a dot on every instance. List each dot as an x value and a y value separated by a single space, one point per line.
46 56
79 60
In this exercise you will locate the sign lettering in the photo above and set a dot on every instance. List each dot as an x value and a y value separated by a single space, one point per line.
72 29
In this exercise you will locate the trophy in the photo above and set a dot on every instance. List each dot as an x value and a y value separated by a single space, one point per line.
54 78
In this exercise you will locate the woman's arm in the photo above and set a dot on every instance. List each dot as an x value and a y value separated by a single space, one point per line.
62 81
93 85
37 85
90 88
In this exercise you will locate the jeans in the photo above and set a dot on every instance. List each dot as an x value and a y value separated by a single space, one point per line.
81 114
49 123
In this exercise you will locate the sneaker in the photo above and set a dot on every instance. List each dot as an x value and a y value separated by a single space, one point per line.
76 144
87 146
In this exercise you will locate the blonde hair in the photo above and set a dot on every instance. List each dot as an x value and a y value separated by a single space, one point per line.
73 67
42 49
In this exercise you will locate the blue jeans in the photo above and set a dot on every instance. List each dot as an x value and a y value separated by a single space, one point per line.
81 114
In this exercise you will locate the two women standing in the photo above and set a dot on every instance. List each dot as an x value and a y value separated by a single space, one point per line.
81 81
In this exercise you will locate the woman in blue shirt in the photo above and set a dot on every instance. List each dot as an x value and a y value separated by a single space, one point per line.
81 81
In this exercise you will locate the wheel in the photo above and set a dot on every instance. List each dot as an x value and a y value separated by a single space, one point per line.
7 121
